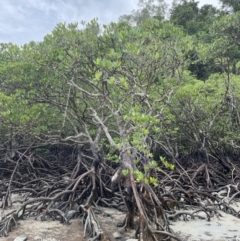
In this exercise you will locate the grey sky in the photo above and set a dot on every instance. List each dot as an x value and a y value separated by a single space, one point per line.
24 20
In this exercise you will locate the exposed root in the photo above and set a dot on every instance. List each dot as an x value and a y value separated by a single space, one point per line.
93 227
7 223
60 191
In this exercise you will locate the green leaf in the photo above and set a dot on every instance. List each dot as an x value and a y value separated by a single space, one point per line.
153 181
111 80
125 172
98 75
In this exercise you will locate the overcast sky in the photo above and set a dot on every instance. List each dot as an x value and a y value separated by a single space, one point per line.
24 20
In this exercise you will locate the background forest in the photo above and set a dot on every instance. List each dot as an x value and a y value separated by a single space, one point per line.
129 108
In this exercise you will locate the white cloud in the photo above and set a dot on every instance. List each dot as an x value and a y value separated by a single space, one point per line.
9 10
25 20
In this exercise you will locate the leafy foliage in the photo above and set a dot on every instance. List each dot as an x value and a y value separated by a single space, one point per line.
128 87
